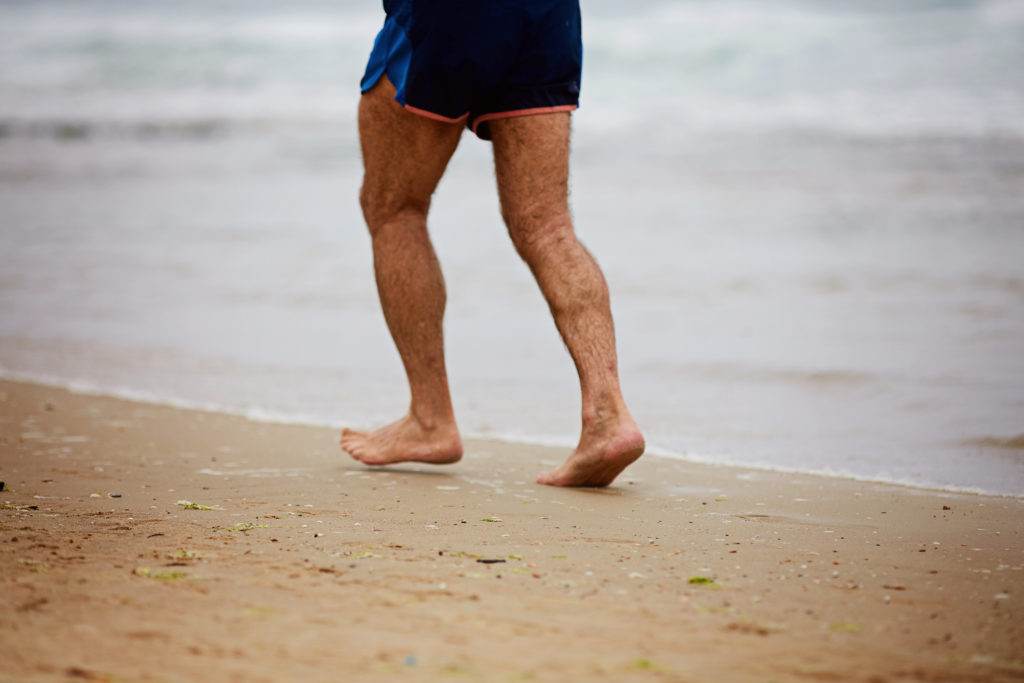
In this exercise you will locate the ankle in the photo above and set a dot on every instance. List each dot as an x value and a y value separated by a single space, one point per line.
433 420
599 419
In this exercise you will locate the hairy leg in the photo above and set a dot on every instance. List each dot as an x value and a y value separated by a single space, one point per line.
404 156
531 155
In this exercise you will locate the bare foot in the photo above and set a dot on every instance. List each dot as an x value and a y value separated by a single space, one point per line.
404 441
602 454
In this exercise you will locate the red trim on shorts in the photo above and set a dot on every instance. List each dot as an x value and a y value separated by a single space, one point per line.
436 117
522 112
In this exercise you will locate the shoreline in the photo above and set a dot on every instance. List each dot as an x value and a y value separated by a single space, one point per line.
155 543
272 417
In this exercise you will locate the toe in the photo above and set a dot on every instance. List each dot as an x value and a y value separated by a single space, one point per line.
554 478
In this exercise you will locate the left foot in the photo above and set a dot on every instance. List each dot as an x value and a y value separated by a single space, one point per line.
602 454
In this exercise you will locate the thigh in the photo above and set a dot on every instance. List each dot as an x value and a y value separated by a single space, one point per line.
404 155
531 160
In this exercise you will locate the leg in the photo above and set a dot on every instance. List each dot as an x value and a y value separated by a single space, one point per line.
531 155
404 156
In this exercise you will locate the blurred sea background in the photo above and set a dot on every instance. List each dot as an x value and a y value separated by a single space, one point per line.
810 214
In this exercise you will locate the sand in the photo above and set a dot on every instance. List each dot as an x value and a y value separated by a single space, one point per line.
310 566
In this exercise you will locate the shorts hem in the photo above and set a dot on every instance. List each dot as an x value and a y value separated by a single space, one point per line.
436 117
483 118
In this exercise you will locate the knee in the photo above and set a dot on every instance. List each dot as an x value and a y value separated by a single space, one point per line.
364 202
383 209
537 234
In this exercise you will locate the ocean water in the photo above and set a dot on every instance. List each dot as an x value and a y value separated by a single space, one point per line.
810 215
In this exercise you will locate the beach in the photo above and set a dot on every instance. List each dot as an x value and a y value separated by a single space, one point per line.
810 217
144 542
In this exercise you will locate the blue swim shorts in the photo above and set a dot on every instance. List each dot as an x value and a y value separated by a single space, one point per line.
479 60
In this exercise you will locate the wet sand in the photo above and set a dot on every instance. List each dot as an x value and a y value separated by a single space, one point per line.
310 566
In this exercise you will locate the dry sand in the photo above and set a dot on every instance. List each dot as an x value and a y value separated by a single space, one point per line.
313 567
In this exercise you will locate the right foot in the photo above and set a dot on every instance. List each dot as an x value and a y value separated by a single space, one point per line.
404 441
602 454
